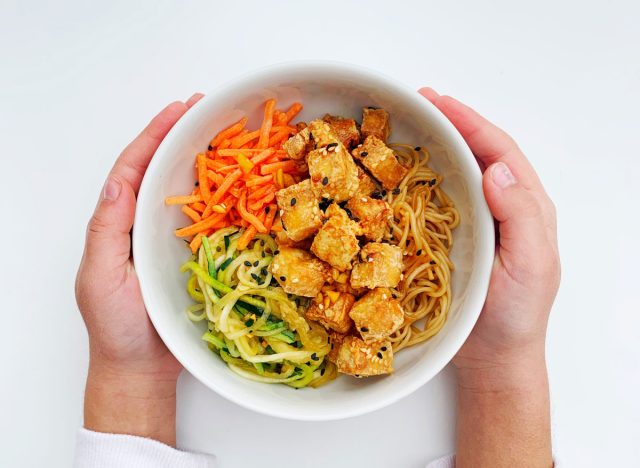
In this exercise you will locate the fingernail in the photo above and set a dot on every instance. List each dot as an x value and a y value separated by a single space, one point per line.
502 176
111 190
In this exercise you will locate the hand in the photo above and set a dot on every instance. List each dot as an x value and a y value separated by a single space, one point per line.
503 397
132 375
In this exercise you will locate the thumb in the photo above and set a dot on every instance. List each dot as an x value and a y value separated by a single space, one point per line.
108 241
520 217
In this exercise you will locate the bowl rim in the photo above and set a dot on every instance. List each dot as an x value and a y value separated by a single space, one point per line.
478 282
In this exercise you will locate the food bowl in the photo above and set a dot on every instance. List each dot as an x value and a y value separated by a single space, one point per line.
322 87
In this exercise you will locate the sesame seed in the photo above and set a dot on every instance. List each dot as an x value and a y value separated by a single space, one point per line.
264 254
320 307
249 322
396 191
293 201
255 277
332 146
197 183
417 148
363 199
384 348
432 262
356 219
247 263
295 280
384 193
276 252
209 147
256 263
267 209
325 181
315 357
283 278
364 154
419 252
281 212
432 182
379 354
364 329
324 220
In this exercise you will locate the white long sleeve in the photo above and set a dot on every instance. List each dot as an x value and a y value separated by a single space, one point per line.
448 461
99 450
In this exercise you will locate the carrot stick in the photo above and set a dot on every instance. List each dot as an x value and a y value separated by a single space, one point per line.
182 199
198 206
259 193
267 122
286 166
259 180
199 227
229 132
263 155
279 137
294 110
191 213
249 217
202 177
241 140
246 237
231 152
216 178
195 242
225 143
226 185
270 212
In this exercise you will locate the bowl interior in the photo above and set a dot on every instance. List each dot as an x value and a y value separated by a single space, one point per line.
322 88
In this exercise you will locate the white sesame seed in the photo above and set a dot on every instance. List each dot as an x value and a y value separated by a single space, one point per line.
281 212
295 280
320 306
363 199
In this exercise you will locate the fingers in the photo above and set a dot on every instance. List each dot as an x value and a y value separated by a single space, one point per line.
524 243
108 243
193 99
488 143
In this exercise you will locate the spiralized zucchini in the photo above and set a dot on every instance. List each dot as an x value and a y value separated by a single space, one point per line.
253 325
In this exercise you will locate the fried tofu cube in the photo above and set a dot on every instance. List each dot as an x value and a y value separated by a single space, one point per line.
299 210
372 215
336 242
332 310
379 159
377 315
346 129
283 240
299 272
334 174
299 144
335 340
379 266
375 122
366 185
355 357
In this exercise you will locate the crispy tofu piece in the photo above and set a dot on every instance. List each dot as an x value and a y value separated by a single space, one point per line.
366 185
335 339
299 272
283 241
334 174
380 265
375 122
299 210
377 315
331 309
372 215
379 159
346 129
336 242
299 144
362 359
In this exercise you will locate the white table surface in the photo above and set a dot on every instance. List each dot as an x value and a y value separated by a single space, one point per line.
79 79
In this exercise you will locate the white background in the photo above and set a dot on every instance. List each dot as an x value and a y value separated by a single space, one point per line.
79 79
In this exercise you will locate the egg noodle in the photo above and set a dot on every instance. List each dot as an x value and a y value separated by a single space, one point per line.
423 220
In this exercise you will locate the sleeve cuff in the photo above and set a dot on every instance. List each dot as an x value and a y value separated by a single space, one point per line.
100 450
449 461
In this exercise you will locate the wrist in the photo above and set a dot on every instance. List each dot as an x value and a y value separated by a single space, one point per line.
121 401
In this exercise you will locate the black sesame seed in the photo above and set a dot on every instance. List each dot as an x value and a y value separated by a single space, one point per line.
249 322
218 249
263 254
197 183
315 357
263 272
324 220
283 278
331 145
376 195
432 262
384 348
356 219
247 263
379 354
419 252
432 182
417 148
276 252
293 201
364 154
255 277
267 209
209 147
325 180
384 193
396 191
364 329
256 263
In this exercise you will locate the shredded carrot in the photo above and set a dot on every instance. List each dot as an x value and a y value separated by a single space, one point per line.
267 122
238 176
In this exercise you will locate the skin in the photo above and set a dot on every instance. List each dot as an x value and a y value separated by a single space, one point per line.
503 391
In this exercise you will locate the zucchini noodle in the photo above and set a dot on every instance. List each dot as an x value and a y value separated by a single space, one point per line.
423 220
252 324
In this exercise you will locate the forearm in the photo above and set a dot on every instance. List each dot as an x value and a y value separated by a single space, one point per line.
503 414
134 404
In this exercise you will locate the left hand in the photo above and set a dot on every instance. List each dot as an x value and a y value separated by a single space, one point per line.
131 372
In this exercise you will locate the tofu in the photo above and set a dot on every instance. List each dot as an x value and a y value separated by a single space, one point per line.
379 159
333 173
335 340
336 242
346 129
332 311
299 210
366 185
375 122
299 144
377 315
299 272
372 216
355 357
379 266
283 240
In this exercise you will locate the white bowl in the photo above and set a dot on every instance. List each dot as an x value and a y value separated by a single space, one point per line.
322 87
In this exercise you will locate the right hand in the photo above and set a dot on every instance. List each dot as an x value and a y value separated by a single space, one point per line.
512 327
